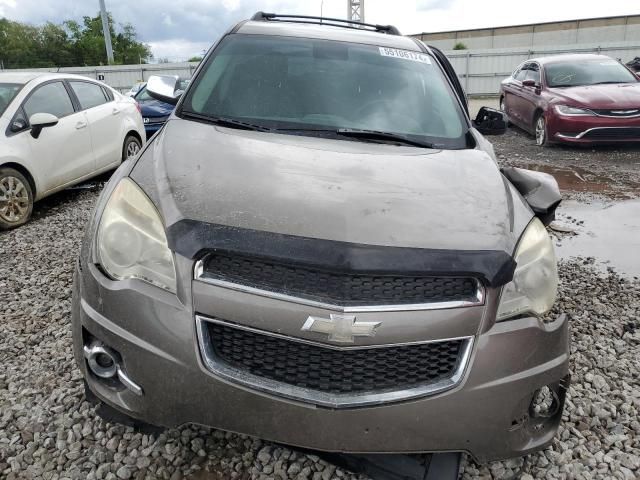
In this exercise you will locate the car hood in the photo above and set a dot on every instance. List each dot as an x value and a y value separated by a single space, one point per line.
155 108
346 191
613 96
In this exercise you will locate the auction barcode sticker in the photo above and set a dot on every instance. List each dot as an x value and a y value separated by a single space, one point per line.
405 54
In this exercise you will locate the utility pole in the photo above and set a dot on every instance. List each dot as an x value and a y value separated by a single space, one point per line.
355 10
107 31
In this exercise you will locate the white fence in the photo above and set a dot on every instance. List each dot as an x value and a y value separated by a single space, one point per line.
481 71
122 77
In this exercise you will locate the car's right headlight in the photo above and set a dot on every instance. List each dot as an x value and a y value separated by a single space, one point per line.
131 241
535 282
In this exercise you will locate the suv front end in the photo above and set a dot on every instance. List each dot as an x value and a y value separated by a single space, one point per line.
303 288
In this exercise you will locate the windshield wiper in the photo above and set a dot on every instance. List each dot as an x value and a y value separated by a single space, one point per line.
376 135
608 82
226 122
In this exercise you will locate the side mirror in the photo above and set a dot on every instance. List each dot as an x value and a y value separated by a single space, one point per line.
539 189
490 121
164 88
528 83
39 121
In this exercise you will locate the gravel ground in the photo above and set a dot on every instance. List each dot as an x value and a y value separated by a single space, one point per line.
583 173
48 431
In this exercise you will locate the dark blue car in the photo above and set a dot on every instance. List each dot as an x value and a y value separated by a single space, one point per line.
154 112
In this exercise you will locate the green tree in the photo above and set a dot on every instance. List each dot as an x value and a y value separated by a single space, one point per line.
197 58
459 46
71 43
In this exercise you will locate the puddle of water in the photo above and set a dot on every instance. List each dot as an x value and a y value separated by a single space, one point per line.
609 232
578 179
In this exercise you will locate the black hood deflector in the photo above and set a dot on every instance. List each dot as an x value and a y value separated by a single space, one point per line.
191 239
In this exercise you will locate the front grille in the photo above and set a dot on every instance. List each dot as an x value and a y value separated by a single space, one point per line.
155 120
618 112
614 133
330 370
337 288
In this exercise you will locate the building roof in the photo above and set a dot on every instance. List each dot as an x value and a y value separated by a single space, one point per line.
327 32
498 27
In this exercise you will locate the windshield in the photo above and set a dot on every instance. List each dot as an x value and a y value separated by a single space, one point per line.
143 94
590 72
300 85
7 92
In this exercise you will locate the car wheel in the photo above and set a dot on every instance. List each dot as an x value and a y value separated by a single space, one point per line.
541 131
131 147
16 199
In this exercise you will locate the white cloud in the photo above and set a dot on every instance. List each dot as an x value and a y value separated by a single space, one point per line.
174 27
178 49
5 5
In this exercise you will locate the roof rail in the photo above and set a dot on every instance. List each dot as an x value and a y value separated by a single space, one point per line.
334 22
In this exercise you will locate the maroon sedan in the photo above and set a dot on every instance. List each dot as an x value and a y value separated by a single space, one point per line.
574 99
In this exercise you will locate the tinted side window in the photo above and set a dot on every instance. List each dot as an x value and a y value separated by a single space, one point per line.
89 94
50 98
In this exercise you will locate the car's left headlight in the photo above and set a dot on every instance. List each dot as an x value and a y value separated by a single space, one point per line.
568 111
131 241
535 282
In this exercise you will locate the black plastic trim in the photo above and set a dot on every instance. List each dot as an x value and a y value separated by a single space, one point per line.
192 239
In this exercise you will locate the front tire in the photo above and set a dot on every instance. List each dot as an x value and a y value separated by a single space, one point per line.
542 137
16 199
131 147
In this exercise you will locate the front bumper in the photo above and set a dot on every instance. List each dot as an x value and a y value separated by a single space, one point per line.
487 414
593 129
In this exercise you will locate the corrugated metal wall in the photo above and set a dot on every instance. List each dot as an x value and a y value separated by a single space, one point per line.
481 71
122 77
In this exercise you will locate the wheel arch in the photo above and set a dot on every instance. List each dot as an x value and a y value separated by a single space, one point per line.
133 133
536 113
24 171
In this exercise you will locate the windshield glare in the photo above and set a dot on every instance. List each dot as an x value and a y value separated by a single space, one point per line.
304 84
7 92
590 72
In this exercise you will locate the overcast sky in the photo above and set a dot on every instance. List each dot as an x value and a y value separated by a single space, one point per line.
178 29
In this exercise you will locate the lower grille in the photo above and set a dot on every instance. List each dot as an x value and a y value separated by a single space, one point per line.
614 133
330 370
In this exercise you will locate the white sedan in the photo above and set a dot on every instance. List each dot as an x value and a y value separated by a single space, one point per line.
57 130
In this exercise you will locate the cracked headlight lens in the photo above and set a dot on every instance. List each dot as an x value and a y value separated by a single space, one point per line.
535 282
131 239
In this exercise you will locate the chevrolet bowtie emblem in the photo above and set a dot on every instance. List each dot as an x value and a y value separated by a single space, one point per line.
340 328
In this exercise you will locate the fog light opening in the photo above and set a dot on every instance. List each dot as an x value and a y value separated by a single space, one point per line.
102 360
105 363
545 403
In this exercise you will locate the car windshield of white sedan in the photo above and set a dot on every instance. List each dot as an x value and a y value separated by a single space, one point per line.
324 88
7 92
590 72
